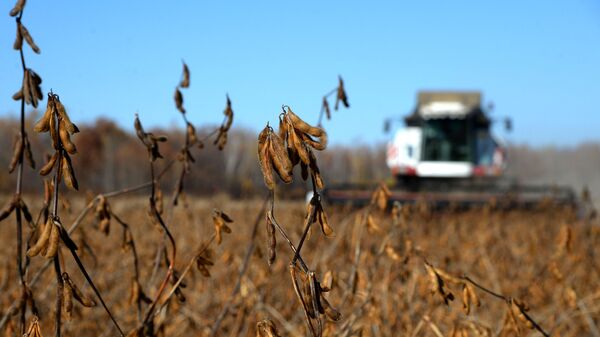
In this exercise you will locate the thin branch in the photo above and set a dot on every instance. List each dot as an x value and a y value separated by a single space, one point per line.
333 91
480 287
285 236
96 291
508 301
310 218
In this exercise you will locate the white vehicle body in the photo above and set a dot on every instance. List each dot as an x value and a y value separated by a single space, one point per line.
404 158
446 138
404 151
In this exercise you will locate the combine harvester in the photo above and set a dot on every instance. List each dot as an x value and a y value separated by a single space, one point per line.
446 155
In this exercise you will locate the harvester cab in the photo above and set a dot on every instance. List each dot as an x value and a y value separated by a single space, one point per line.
446 138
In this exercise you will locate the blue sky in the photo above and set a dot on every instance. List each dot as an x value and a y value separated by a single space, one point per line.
538 61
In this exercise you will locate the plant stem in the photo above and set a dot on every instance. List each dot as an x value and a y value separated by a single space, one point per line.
59 291
171 239
499 296
54 215
18 192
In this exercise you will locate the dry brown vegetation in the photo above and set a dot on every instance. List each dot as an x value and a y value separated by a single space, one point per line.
148 259
380 284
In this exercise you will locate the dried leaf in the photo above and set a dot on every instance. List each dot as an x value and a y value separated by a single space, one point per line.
28 153
69 173
86 301
191 134
18 44
178 97
317 145
43 125
42 240
31 90
17 153
328 281
264 158
372 226
437 284
29 39
279 157
219 220
325 108
47 168
519 309
302 126
185 80
271 239
64 118
8 208
314 168
34 329
53 241
330 312
67 296
322 218
266 328
17 8
65 138
341 95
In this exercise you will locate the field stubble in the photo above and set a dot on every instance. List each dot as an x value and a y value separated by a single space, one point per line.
546 258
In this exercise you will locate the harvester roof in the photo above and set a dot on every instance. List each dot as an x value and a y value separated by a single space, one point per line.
447 104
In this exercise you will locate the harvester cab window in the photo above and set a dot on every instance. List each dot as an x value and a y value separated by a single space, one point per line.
446 140
486 147
409 151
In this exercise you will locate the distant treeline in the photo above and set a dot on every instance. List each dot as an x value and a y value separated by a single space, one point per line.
110 158
575 166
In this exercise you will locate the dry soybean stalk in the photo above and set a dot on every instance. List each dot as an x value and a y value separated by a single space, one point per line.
29 93
200 260
137 296
191 139
57 122
184 156
278 153
151 142
76 223
223 130
340 96
517 310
